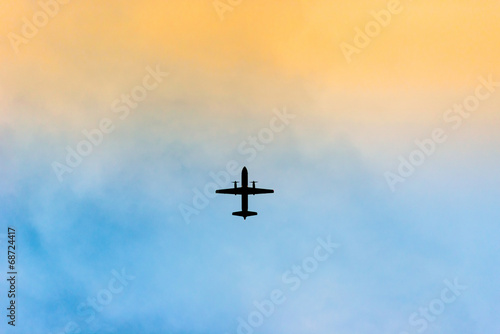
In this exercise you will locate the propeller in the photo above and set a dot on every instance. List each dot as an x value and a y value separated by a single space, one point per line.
253 183
235 182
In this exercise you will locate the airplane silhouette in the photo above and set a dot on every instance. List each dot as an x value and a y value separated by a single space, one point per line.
244 191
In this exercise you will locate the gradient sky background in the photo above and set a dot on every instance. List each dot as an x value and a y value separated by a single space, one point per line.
120 207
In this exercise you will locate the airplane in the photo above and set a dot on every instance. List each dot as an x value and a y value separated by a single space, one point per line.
244 191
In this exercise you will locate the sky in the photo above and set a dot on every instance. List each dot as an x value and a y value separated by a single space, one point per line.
375 122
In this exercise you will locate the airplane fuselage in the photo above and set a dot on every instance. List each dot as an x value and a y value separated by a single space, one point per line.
244 185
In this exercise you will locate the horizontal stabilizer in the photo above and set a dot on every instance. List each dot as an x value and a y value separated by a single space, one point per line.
244 214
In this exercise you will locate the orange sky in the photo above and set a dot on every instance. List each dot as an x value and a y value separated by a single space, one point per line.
443 43
261 55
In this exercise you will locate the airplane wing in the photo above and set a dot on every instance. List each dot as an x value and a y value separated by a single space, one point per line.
231 191
256 191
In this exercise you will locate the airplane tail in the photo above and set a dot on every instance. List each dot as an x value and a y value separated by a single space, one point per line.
244 214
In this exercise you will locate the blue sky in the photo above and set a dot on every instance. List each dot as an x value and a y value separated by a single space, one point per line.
396 248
